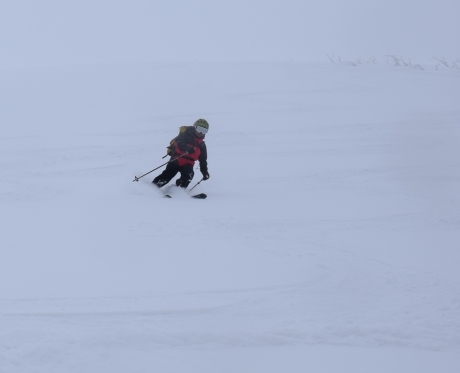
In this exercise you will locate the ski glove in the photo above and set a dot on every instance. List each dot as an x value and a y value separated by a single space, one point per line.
205 175
190 149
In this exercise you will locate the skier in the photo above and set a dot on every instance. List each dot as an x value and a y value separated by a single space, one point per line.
191 146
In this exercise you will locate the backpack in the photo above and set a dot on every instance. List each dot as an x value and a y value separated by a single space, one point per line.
170 148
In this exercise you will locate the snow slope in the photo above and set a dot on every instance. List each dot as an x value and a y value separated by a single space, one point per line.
328 243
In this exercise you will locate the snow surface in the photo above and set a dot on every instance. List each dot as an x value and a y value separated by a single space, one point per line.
329 241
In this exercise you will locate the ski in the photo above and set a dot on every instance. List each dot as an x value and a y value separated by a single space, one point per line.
198 196
166 192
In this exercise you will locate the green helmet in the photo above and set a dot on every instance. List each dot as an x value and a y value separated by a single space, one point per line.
201 126
201 123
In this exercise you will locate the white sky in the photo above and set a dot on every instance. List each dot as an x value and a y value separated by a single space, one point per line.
36 32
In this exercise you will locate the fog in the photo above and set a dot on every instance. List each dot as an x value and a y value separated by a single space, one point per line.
51 32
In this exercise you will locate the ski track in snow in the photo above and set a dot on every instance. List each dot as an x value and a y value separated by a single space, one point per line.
331 229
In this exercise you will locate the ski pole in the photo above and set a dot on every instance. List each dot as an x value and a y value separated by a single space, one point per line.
171 160
196 184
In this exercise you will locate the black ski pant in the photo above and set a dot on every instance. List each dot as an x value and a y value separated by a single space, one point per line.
186 175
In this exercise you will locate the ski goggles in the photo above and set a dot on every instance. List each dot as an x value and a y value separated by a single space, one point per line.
201 130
